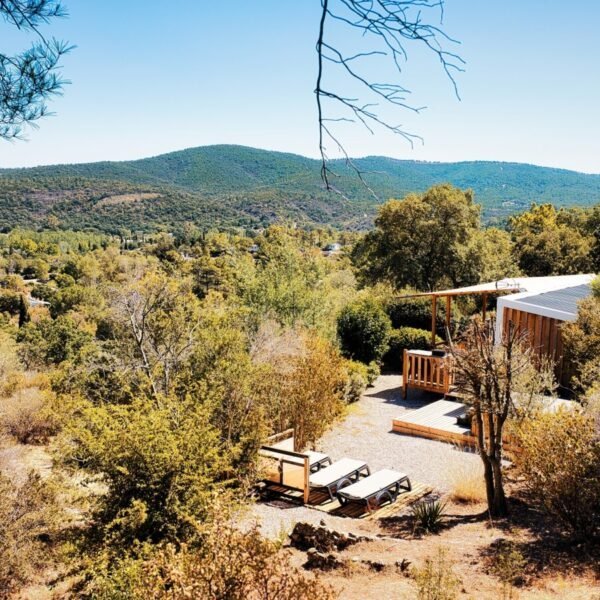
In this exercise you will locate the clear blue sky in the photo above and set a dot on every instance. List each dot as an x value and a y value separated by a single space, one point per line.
150 77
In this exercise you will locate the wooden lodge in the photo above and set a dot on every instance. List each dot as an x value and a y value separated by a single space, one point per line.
536 306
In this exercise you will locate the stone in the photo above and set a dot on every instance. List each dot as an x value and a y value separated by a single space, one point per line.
305 536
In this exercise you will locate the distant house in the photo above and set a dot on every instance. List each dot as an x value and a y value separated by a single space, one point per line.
330 249
36 302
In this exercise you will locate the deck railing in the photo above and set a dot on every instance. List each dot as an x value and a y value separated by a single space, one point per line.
424 371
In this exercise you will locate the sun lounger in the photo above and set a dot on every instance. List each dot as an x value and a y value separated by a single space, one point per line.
374 490
343 471
316 460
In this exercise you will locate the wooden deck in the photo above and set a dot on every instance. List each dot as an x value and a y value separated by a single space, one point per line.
436 421
321 501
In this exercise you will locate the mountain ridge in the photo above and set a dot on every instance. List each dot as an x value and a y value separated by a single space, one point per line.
225 185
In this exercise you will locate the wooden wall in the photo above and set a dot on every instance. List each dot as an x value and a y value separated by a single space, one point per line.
544 335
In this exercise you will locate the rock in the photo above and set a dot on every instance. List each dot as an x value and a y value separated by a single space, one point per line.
322 561
305 536
374 565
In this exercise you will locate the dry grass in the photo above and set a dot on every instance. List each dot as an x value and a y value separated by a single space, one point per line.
467 483
25 416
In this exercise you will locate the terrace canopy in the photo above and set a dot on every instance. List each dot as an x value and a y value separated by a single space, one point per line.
507 285
483 289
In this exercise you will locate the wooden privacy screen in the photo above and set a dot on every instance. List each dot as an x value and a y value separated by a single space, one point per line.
543 333
284 466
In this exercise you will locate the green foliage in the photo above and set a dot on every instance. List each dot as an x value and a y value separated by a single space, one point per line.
406 338
10 302
51 342
550 241
413 312
162 462
356 383
595 285
429 516
581 340
291 282
232 185
436 579
363 330
420 241
509 566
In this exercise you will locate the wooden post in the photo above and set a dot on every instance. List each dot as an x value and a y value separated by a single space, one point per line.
405 374
433 319
306 479
485 298
448 313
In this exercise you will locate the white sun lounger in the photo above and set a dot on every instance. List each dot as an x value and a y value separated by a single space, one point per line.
343 471
316 460
382 486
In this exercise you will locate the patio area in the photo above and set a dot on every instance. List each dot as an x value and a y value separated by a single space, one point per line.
366 434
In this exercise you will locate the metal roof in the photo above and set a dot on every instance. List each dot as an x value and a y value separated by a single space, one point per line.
513 284
565 300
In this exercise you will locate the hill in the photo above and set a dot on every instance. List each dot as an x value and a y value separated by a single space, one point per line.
240 186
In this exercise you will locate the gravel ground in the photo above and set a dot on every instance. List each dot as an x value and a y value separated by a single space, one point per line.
366 433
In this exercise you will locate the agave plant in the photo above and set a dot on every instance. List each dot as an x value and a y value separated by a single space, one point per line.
429 516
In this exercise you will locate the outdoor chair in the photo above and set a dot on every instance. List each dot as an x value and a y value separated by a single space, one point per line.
374 490
342 472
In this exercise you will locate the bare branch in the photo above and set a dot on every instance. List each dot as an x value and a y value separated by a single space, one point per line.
390 25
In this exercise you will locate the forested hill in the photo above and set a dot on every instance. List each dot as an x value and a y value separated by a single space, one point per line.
235 185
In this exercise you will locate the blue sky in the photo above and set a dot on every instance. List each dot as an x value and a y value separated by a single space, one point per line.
150 77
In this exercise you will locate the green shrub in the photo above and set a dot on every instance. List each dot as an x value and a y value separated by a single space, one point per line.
359 377
414 312
406 338
595 285
363 329
356 382
435 579
429 516
373 372
51 341
509 566
10 302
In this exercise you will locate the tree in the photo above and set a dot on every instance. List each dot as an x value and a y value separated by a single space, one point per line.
156 319
364 330
550 242
384 29
581 340
421 241
30 78
492 376
24 316
160 462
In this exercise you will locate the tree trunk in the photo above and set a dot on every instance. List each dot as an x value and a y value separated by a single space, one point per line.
489 479
498 507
